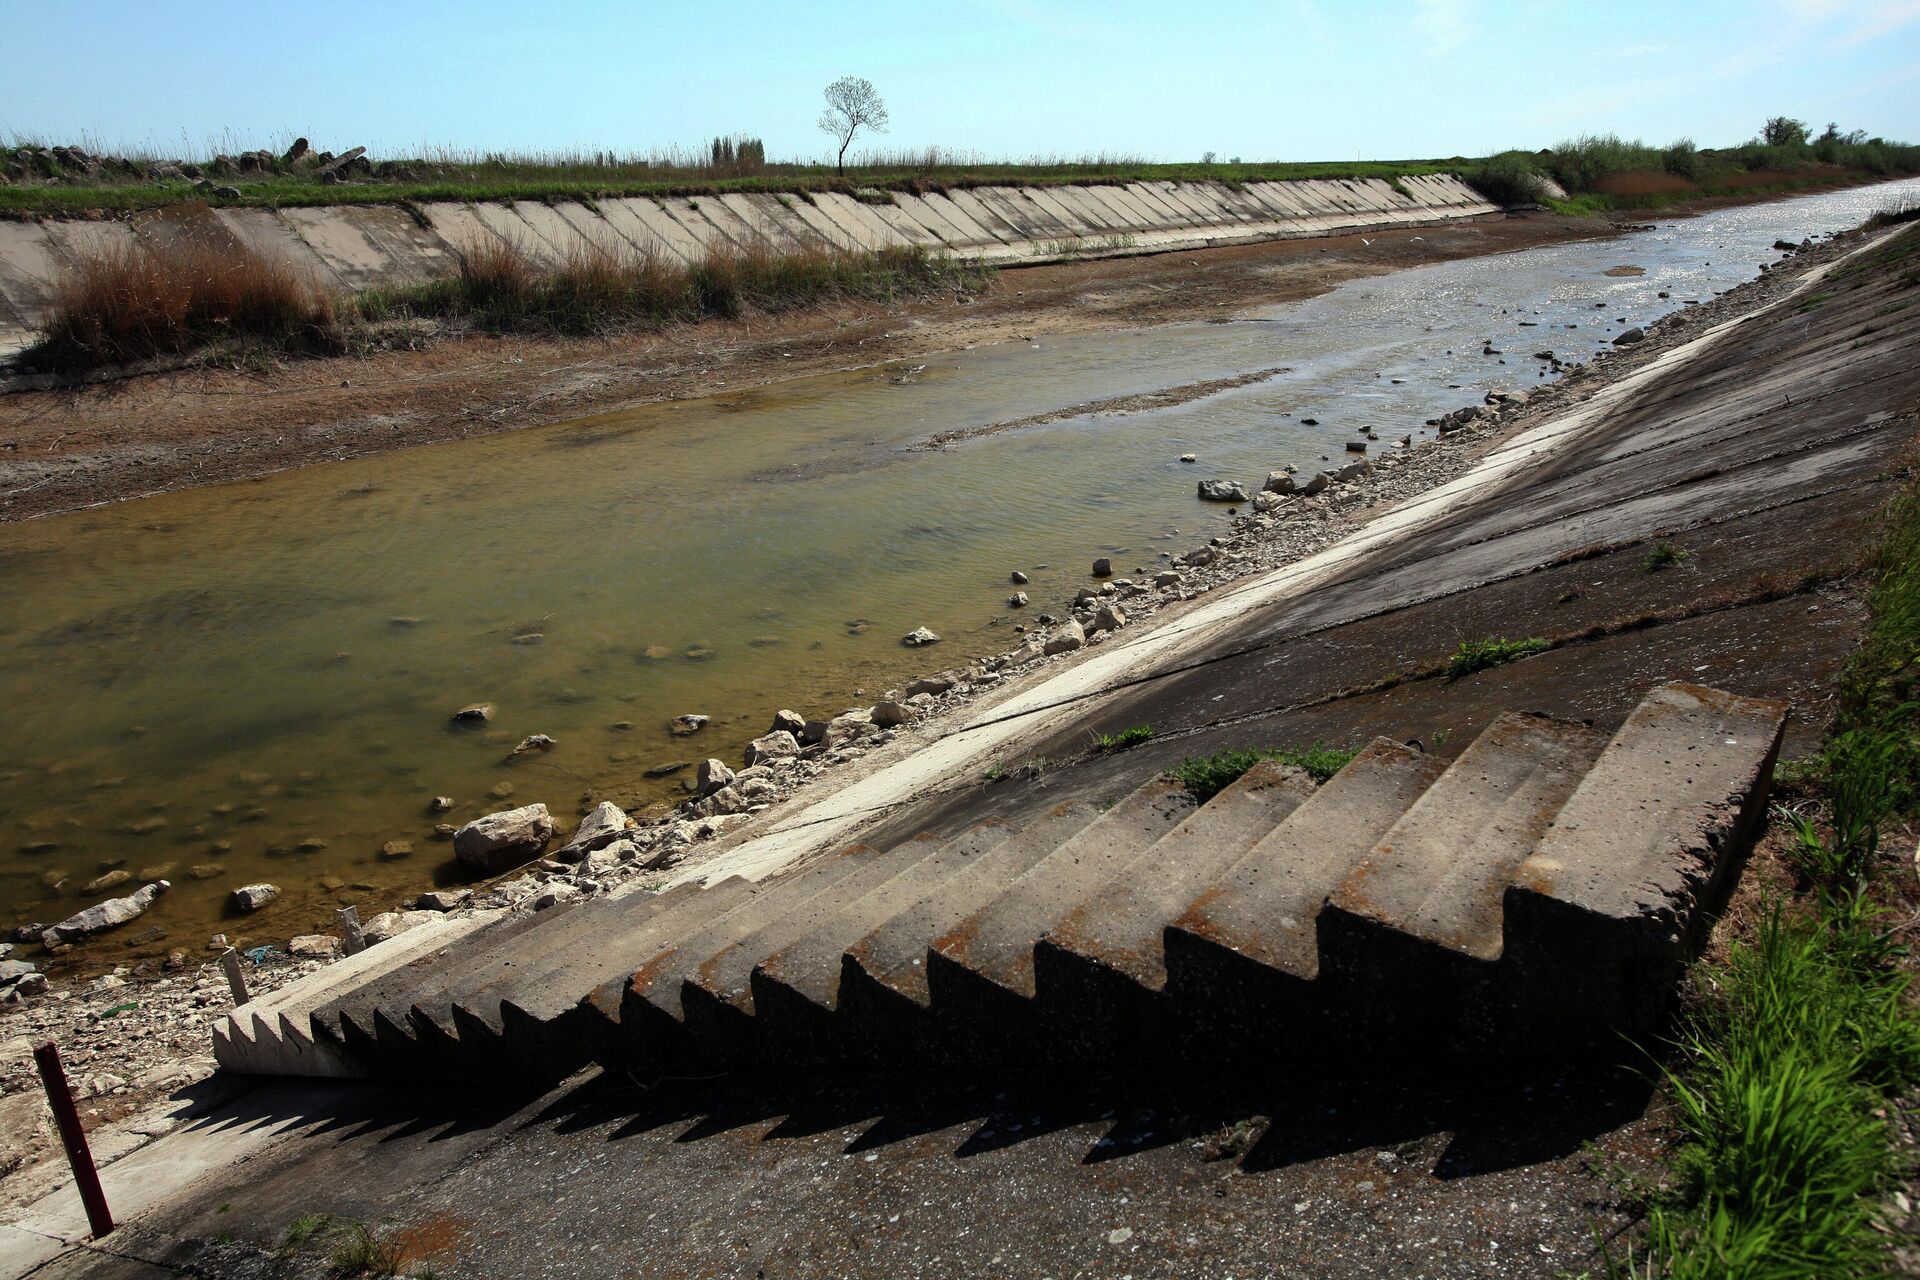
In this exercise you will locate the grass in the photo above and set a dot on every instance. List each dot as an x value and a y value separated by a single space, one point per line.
1663 556
1494 651
135 303
1207 776
1786 1069
1106 742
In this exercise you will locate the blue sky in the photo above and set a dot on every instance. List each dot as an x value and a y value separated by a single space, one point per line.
1284 79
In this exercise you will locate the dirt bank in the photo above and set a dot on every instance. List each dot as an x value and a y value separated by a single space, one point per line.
65 450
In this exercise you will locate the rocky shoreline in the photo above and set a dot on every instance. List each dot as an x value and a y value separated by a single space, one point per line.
157 1014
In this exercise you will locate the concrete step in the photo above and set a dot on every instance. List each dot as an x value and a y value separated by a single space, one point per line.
717 999
273 1034
1605 914
884 1007
796 989
1241 958
642 1023
980 972
1095 970
1407 938
533 1026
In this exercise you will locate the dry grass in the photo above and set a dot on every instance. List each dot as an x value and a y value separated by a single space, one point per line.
135 302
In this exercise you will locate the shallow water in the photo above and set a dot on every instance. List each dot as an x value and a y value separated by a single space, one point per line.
258 677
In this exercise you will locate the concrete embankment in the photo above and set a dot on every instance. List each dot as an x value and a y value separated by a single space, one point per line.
358 246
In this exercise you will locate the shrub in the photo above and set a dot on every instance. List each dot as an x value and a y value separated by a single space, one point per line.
135 302
1682 160
1580 164
1494 651
1508 179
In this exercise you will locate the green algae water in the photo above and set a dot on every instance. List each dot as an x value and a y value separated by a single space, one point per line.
255 681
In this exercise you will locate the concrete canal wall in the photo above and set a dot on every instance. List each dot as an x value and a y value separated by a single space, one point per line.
355 246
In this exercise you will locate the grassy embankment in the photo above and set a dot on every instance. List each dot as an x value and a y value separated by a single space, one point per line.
551 177
231 305
1604 173
1795 1047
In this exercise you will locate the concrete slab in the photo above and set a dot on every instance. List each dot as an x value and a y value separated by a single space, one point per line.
461 227
968 201
807 211
856 220
652 217
262 231
595 230
775 223
502 220
742 234
925 216
972 232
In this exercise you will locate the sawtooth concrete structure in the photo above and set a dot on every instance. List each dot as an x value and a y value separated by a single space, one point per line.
354 246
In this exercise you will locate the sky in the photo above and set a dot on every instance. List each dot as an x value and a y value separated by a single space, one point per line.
1257 79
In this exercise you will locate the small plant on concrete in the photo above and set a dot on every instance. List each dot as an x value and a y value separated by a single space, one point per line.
1104 742
1494 651
360 1252
1207 776
1663 556
303 1229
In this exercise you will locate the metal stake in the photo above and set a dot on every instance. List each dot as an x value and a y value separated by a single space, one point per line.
74 1138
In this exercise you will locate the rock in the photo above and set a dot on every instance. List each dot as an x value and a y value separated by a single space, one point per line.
714 774
474 713
1317 484
792 721
533 742
504 839
772 746
1786 246
1103 568
111 880
12 971
1278 482
683 726
845 727
935 684
393 850
440 804
314 946
227 193
604 823
1309 422
391 924
443 899
206 870
252 897
1166 579
1351 472
1068 638
1356 446
1630 337
296 151
1031 651
919 636
1189 457
32 984
1223 491
555 895
890 715
1109 617
1265 502
1018 600
106 915
1017 578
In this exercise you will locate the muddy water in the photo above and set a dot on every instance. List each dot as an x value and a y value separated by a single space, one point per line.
255 681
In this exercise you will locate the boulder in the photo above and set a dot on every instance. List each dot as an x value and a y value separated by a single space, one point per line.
1630 337
682 726
1018 600
772 746
314 946
252 897
714 774
104 916
474 713
504 839
12 971
792 721
112 880
1317 484
1103 568
1265 502
391 924
443 899
534 742
846 727
1109 617
394 849
1223 491
1017 578
1165 579
604 823
936 684
1278 482
919 636
889 715
1031 651
1066 639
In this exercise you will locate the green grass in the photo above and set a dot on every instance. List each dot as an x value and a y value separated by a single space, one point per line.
305 1228
1786 1068
1494 651
1126 738
1663 556
1207 776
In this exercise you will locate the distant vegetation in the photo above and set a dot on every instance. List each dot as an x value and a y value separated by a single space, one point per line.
1603 171
137 302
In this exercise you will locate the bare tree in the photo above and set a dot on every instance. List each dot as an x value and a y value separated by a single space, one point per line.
852 104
